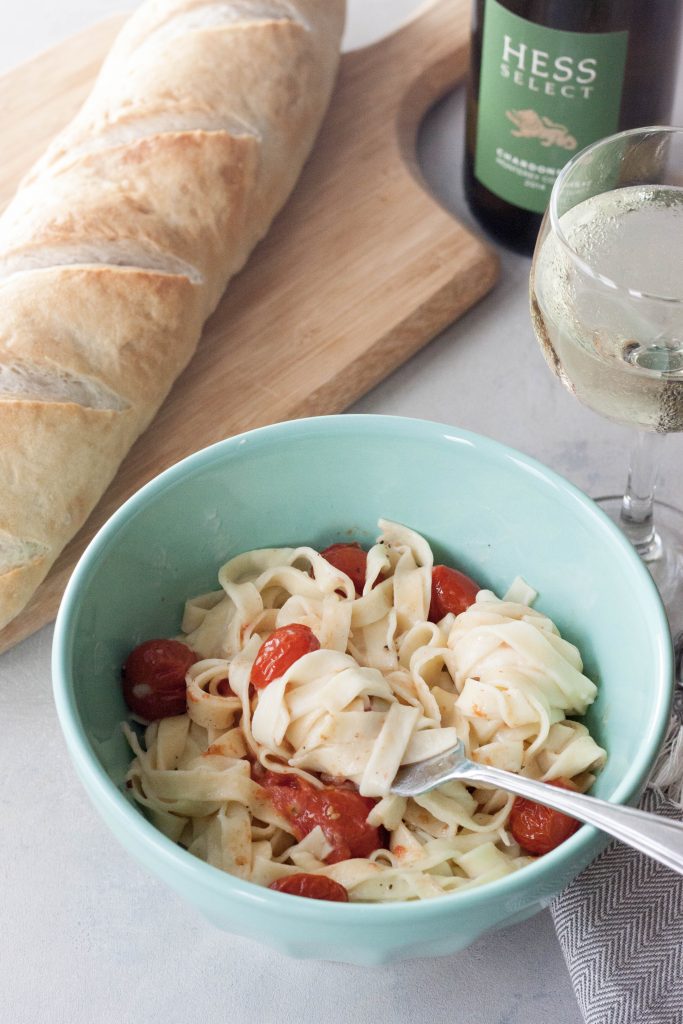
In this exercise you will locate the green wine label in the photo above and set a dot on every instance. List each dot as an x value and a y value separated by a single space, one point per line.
544 95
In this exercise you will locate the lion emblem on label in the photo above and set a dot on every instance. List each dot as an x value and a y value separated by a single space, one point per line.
531 125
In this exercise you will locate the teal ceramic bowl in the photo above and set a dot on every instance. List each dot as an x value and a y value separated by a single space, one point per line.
494 512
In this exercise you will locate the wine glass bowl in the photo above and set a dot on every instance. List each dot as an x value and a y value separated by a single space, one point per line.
607 278
606 294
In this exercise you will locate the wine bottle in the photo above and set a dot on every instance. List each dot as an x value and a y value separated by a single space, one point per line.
547 78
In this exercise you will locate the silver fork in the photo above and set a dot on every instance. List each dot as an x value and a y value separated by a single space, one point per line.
653 835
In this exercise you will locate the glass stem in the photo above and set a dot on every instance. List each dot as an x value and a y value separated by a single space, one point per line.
637 505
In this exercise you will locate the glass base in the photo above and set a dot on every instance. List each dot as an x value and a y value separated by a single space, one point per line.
664 559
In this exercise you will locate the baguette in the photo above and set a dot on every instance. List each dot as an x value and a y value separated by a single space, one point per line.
121 240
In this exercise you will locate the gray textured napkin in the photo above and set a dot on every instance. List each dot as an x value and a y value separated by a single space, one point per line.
620 923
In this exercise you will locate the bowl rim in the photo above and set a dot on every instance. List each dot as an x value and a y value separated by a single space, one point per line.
107 797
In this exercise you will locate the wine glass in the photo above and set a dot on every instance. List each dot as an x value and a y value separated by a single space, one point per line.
607 308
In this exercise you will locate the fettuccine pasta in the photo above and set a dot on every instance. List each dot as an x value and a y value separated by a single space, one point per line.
385 687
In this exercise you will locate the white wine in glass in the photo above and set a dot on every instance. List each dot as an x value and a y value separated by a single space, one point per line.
607 309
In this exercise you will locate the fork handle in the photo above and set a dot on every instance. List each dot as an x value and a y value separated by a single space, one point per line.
653 835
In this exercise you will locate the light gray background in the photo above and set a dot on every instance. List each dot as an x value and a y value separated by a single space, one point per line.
88 937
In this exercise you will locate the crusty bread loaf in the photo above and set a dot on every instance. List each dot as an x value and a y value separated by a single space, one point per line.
121 240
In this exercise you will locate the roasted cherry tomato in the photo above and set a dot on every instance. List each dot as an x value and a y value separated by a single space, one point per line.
315 887
452 591
344 822
293 797
341 813
279 652
351 559
154 678
540 829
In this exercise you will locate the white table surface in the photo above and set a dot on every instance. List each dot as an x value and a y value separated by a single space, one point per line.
88 936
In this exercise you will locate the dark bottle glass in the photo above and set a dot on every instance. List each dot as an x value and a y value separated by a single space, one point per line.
547 78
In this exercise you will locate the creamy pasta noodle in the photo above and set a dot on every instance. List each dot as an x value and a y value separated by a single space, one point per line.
304 695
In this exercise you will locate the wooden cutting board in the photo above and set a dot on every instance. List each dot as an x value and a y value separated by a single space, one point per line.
358 272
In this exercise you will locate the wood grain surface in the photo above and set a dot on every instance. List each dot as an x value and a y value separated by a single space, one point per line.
359 271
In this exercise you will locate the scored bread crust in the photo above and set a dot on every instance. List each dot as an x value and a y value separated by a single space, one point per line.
120 242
